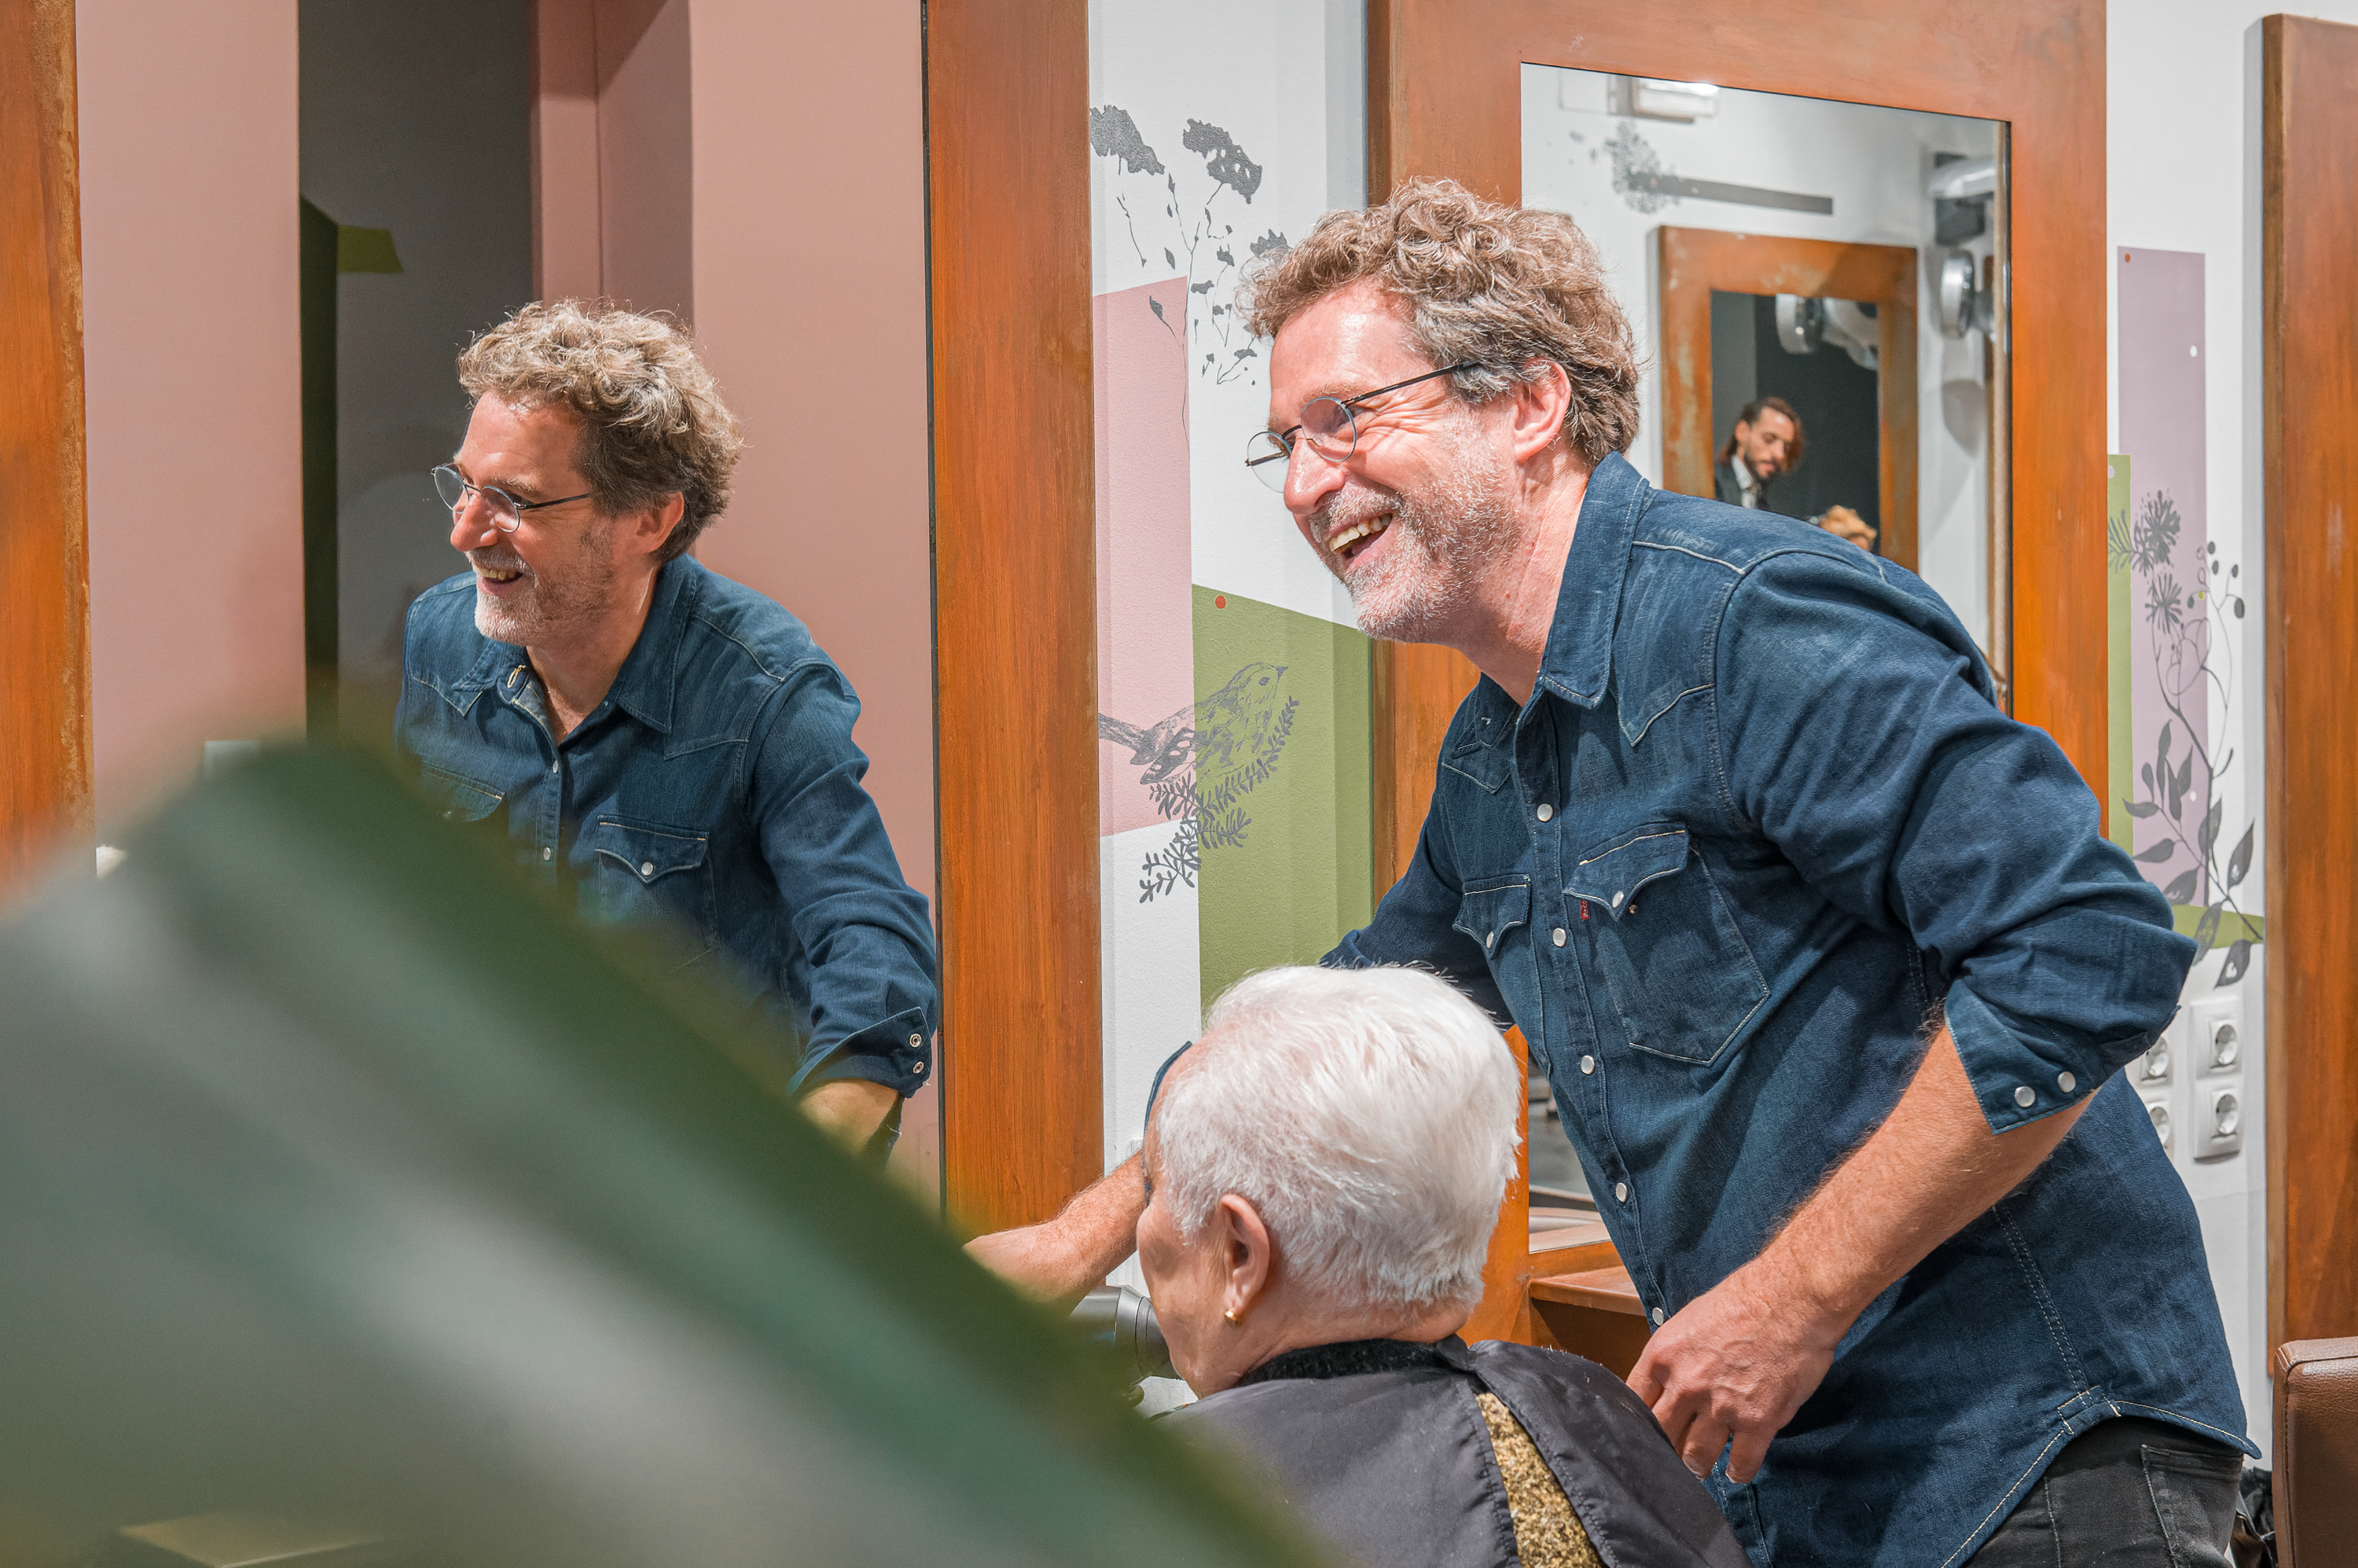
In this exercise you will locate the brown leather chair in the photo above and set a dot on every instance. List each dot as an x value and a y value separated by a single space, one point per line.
2316 1482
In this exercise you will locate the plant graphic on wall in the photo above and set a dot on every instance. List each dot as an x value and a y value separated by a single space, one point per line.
1179 225
2181 790
1199 765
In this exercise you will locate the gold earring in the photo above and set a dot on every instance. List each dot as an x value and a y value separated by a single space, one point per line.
1234 1321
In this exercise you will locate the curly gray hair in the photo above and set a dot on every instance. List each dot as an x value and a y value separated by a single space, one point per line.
650 417
1505 288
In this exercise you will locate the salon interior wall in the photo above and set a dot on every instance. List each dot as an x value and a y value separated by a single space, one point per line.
758 168
2183 147
1581 157
192 385
1214 617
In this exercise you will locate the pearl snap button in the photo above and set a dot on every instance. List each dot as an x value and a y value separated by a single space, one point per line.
1588 1064
2025 1097
557 767
1559 935
646 868
1620 1192
1546 811
1657 1315
2066 1082
547 854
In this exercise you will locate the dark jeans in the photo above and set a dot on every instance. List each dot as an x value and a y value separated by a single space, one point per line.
2125 1494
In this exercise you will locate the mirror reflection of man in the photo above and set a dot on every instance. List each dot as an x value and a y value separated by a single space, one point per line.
1827 959
1767 441
661 743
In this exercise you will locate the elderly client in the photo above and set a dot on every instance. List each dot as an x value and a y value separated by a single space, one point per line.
1324 1169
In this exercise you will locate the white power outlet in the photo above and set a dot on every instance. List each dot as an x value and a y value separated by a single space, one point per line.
2156 1110
2215 1037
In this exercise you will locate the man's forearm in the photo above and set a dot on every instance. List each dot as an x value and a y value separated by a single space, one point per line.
849 1110
1061 1259
1930 1170
1738 1361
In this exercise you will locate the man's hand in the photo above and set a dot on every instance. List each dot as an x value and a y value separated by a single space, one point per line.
849 1110
1063 1258
1738 1360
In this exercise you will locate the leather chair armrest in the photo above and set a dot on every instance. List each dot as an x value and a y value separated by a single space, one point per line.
2316 1472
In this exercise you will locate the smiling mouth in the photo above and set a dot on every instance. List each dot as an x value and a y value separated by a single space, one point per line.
499 574
1350 541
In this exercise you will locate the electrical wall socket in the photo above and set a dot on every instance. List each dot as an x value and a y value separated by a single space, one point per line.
2156 1110
2219 1117
2215 1037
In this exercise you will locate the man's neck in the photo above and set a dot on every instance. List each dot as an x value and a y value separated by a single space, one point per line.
577 673
1519 601
1743 471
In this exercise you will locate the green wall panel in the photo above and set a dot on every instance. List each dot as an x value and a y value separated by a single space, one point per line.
1282 785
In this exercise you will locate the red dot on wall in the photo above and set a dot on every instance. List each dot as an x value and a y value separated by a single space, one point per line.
1219 601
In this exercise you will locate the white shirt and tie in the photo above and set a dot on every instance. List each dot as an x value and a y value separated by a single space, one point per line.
1746 484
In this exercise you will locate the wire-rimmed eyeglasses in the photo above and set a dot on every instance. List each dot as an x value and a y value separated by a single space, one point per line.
1331 426
505 510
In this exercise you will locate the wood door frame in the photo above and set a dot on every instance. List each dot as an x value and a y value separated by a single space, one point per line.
45 718
1014 605
1693 263
1444 97
2310 400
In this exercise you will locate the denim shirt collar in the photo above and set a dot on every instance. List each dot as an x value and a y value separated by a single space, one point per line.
1578 660
644 686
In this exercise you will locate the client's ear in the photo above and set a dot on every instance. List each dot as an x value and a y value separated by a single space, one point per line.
1245 1252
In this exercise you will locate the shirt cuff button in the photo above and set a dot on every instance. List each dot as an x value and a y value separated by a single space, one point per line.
1657 1315
1588 1064
2026 1096
2066 1082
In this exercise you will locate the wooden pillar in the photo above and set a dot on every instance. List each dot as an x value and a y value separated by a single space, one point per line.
45 750
2310 370
1015 605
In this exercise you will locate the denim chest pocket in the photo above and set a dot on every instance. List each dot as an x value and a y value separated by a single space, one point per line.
1496 913
646 868
457 799
1681 976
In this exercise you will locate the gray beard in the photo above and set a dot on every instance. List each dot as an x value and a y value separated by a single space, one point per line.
1440 546
570 593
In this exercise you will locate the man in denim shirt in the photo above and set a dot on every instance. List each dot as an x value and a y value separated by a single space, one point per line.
666 745
1825 956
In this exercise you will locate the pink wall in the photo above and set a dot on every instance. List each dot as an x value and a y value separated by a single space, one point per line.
773 156
810 301
193 376
610 136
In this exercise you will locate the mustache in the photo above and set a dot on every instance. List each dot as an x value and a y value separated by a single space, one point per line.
1348 505
497 563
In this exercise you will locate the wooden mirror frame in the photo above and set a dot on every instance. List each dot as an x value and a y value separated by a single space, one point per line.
1444 97
1694 263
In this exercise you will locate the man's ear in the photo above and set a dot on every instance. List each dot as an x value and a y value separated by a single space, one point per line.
651 527
1540 406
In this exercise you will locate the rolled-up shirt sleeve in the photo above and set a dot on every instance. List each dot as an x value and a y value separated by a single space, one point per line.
1856 730
863 930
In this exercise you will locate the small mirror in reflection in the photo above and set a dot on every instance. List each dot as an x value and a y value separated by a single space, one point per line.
1815 290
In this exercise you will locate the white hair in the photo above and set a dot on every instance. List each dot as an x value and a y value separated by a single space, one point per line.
1368 1114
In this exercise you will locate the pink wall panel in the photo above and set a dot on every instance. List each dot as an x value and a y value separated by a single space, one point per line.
1146 676
192 357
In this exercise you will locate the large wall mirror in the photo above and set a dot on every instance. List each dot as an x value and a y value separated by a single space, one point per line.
1816 289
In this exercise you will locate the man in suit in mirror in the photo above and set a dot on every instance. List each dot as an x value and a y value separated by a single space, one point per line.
1767 441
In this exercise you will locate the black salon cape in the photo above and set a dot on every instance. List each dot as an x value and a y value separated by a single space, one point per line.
1394 1466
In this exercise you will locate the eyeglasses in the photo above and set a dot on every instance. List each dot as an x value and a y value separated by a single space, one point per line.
1331 426
506 510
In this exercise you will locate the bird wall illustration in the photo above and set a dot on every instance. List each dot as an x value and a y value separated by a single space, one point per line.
1200 762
